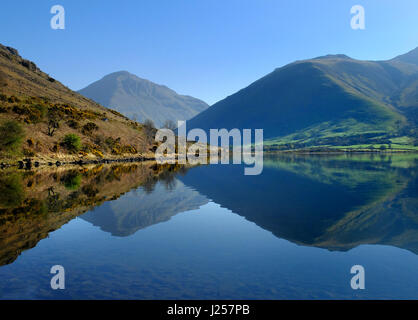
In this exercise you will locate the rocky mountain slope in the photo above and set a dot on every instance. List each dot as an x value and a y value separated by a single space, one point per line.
40 118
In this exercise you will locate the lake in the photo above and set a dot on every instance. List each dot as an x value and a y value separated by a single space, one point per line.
142 231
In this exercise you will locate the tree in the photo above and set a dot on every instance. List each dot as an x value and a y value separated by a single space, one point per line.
53 122
11 135
149 123
170 124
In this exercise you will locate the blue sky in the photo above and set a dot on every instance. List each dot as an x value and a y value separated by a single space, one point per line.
208 49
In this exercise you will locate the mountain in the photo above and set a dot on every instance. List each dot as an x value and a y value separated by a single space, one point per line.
331 100
142 99
42 119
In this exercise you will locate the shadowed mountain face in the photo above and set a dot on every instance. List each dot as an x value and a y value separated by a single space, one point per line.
314 101
331 202
142 99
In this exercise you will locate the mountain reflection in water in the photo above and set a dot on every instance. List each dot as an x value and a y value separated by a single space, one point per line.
331 202
337 202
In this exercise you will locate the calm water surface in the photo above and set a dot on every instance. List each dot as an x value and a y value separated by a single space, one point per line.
210 232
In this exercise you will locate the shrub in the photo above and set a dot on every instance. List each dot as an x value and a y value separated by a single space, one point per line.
56 147
38 112
97 153
99 142
13 99
73 124
30 142
71 180
89 127
33 113
112 143
28 152
90 191
18 110
11 135
72 142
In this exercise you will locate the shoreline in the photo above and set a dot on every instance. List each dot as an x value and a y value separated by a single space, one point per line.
29 163
340 152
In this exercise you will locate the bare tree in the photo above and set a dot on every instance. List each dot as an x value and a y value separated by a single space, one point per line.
53 122
149 123
170 124
149 129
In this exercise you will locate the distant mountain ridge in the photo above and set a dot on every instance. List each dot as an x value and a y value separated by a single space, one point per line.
142 99
329 100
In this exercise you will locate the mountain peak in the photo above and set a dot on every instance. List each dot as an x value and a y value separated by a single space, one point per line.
118 74
122 72
333 56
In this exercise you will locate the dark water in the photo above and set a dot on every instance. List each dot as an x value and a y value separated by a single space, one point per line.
212 233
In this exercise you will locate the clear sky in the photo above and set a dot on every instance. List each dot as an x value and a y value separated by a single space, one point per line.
205 48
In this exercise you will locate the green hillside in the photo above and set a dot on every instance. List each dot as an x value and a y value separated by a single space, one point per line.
331 101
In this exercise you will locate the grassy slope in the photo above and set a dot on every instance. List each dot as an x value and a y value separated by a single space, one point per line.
382 85
21 79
